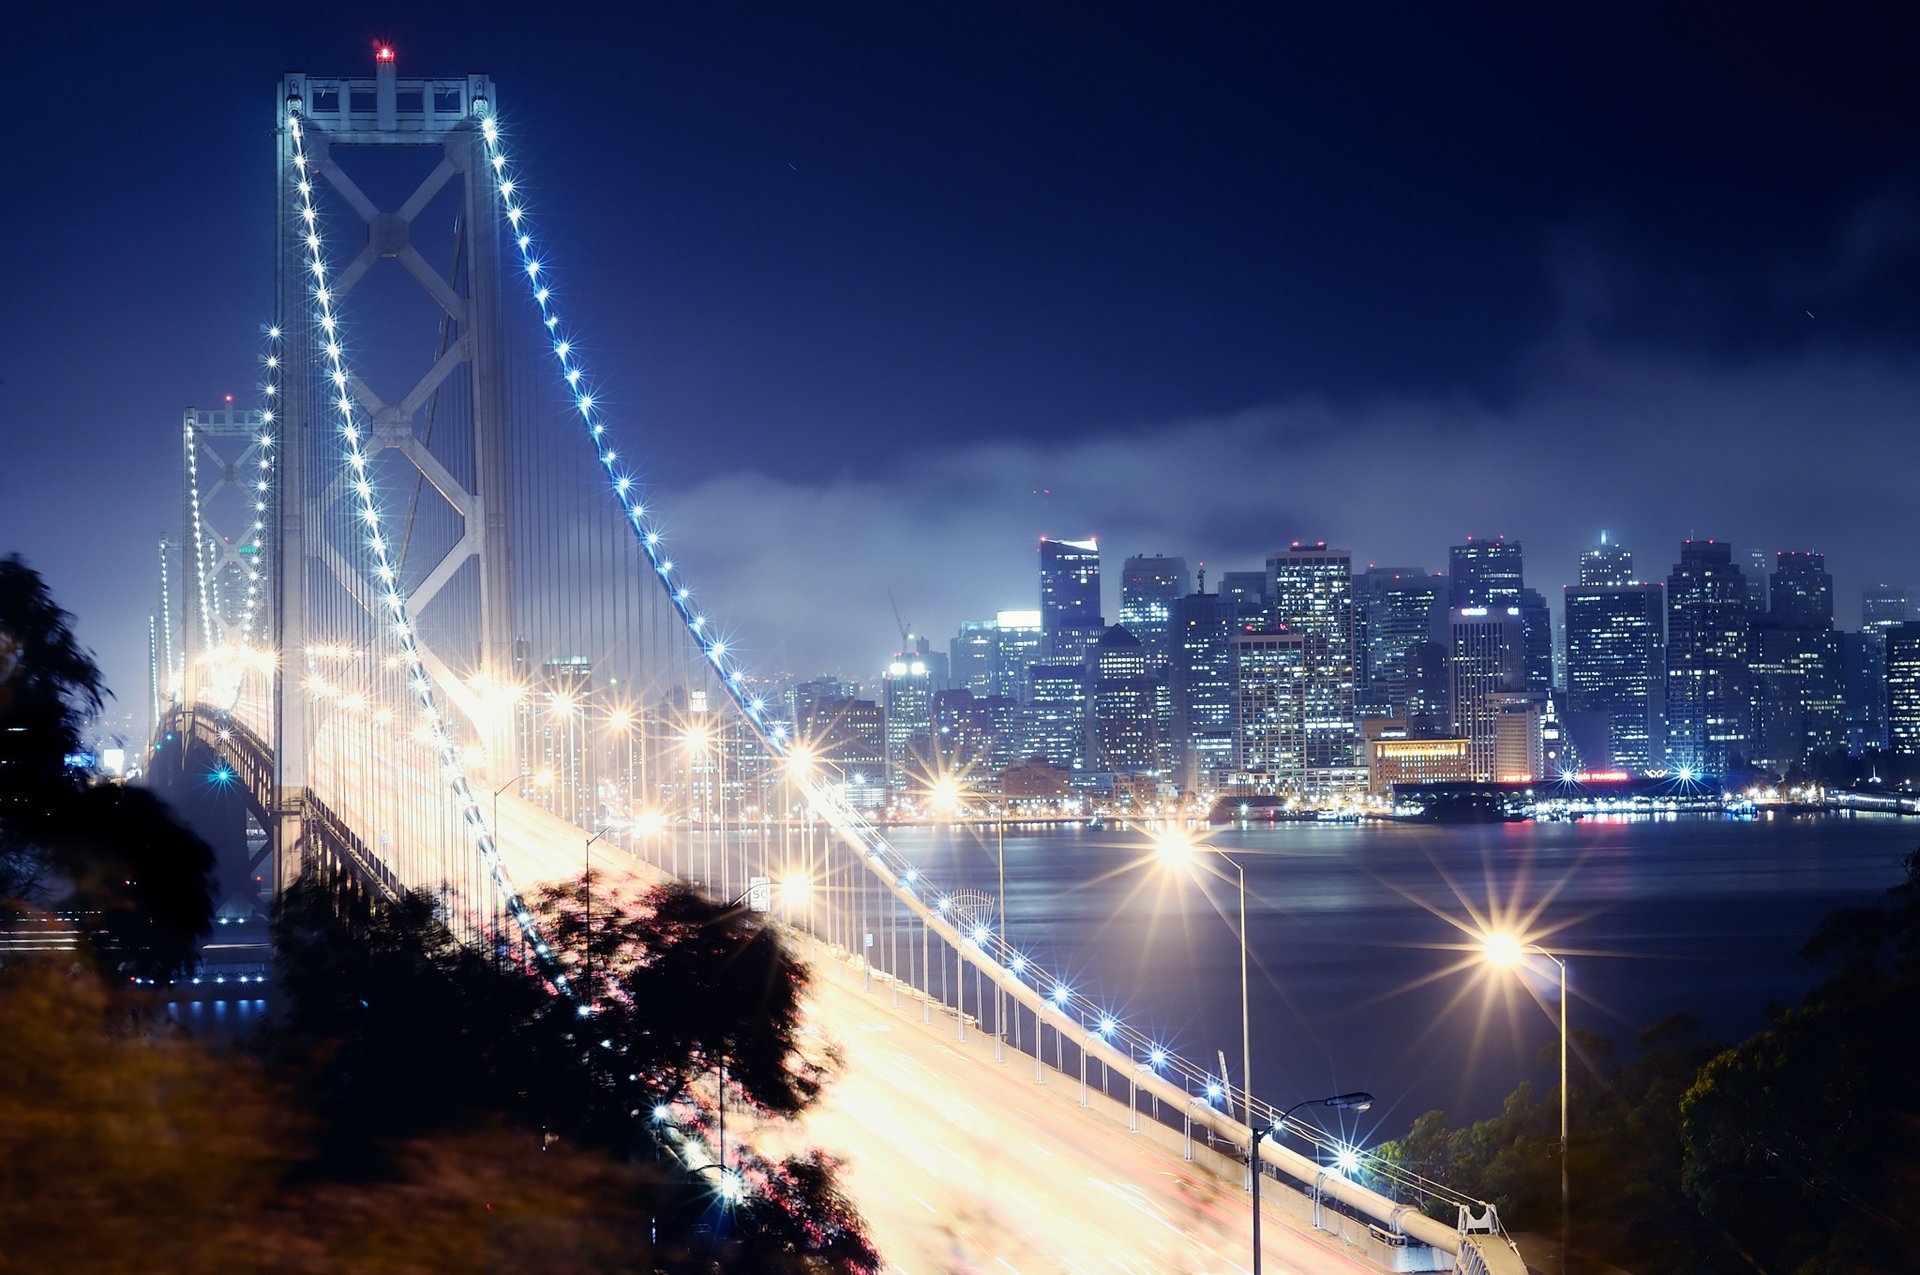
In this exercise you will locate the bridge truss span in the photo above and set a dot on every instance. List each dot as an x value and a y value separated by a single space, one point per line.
487 660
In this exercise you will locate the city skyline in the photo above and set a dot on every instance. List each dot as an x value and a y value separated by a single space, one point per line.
1180 319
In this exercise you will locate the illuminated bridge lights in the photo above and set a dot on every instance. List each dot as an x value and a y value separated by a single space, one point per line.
888 861
356 458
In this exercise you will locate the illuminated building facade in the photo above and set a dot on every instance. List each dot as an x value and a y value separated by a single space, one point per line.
1121 715
1270 707
1709 642
1069 586
1201 683
1617 657
1486 660
1394 610
1057 714
1903 689
907 702
1311 592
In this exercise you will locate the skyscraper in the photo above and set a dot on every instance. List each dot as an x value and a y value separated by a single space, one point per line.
1709 625
1486 665
1606 564
1201 681
1311 588
1017 639
1270 726
1057 714
1148 589
1069 584
1487 573
1903 689
907 701
1121 727
970 657
1617 657
1484 573
1798 710
1394 611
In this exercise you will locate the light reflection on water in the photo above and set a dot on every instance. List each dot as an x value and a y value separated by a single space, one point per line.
1699 915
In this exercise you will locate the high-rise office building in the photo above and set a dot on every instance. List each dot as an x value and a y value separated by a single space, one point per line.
1270 707
1069 584
1394 610
1484 573
1121 728
1882 606
1311 591
1057 714
1201 681
1617 658
1247 588
961 735
1606 565
1795 666
1488 573
1017 639
970 657
1709 641
1903 689
1486 664
1757 570
907 700
1149 586
1864 665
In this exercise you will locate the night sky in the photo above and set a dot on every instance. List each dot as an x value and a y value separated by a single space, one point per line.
883 292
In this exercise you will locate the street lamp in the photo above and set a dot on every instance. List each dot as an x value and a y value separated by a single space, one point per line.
1339 1102
1505 951
1176 851
945 797
593 999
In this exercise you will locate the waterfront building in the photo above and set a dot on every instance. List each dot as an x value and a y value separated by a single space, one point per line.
1709 642
1396 755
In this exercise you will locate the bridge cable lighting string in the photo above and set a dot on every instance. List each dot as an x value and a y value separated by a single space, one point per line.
881 857
359 482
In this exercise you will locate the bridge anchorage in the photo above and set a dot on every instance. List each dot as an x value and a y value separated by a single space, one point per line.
423 626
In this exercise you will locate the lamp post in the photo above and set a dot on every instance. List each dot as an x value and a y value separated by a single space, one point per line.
1176 850
1339 1102
1504 951
541 780
593 998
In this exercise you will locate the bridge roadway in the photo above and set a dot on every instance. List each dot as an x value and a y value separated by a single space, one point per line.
960 1163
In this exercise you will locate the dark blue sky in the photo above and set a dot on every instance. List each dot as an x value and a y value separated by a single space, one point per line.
1389 276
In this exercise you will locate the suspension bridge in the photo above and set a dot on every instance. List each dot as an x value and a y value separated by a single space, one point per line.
423 622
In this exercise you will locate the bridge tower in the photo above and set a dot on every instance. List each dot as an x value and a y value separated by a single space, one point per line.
437 119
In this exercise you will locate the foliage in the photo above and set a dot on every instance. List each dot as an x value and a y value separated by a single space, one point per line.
398 1029
1803 1141
1796 1151
109 853
49 687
